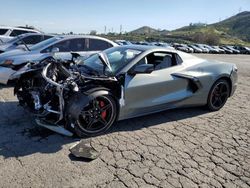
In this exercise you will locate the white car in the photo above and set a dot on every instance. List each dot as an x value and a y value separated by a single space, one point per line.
61 48
7 33
23 41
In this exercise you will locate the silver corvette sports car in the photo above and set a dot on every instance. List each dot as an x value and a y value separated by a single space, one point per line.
87 97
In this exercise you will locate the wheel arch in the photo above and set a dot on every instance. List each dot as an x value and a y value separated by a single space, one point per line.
97 91
227 78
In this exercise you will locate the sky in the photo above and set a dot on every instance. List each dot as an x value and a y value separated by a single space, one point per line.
79 16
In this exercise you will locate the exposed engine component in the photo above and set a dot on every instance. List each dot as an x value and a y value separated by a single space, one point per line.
56 95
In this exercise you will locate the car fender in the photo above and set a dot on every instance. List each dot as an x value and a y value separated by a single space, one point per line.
75 105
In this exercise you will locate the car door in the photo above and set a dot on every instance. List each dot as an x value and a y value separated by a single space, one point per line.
84 49
159 90
65 48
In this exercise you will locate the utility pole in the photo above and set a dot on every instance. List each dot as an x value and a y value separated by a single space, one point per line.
105 29
120 29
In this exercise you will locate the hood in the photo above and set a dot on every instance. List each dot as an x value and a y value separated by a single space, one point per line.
5 46
20 56
12 53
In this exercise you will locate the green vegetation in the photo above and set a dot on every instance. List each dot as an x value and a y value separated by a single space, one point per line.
232 31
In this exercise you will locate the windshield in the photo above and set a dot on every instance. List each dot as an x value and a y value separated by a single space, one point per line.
43 44
118 58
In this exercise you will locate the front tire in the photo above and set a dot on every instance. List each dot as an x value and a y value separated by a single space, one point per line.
97 117
218 95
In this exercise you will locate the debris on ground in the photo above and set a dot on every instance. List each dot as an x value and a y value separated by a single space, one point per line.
84 150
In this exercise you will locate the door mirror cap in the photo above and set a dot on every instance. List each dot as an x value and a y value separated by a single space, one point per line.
55 50
142 69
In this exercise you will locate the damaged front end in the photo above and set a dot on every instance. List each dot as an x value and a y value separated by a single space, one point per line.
57 96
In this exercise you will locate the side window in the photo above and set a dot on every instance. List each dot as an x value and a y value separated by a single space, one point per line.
3 31
63 46
17 32
160 60
98 45
77 45
32 39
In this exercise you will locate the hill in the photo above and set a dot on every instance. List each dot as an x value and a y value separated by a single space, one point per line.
144 30
234 30
238 25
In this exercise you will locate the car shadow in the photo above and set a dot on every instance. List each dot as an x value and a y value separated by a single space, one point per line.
10 85
155 119
20 136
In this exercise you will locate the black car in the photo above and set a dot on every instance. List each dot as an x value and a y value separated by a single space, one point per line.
242 49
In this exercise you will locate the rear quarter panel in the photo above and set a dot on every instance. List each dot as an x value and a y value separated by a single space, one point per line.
207 72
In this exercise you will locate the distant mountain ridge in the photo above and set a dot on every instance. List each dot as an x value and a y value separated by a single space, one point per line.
236 27
144 30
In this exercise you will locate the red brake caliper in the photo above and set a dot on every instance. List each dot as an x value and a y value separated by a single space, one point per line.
104 113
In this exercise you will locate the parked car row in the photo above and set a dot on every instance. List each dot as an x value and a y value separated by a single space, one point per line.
34 47
19 46
204 48
194 48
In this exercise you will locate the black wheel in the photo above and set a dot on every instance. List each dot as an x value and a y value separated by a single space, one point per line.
97 117
218 95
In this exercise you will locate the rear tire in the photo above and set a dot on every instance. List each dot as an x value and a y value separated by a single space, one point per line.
218 95
97 117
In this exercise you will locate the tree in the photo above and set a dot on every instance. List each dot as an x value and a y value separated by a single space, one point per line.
210 38
93 32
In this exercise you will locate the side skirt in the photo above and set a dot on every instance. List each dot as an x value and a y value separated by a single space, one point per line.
54 128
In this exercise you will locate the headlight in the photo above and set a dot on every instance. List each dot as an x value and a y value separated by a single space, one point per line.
7 63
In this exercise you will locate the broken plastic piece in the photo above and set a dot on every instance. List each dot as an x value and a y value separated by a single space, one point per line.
84 150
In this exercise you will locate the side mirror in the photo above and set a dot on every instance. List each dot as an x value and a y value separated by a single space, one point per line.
142 69
55 50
